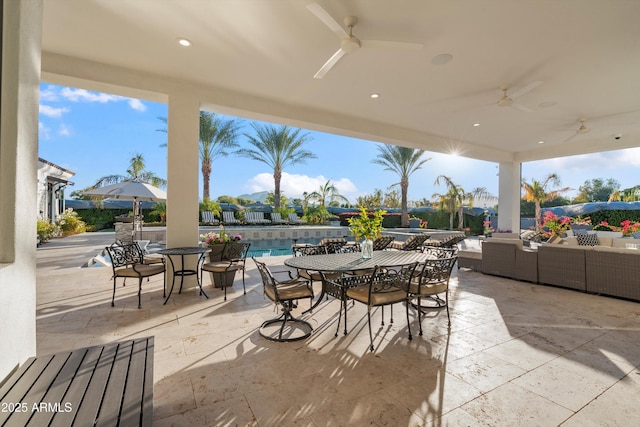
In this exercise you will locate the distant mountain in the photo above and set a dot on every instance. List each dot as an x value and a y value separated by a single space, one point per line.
260 196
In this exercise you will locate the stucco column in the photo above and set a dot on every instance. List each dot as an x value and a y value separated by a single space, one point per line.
509 196
21 44
182 177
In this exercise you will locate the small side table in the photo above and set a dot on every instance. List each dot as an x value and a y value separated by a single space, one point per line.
182 252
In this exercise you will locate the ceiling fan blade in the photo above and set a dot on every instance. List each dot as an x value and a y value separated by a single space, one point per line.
383 44
571 137
521 108
328 20
329 64
528 88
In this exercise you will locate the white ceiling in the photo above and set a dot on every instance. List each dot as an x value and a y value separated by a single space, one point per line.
257 59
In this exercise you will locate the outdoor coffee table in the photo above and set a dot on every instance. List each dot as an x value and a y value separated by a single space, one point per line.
182 252
351 262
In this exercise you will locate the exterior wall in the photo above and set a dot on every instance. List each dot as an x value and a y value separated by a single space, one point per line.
52 180
22 33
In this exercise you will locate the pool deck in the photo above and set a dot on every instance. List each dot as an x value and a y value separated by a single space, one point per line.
516 353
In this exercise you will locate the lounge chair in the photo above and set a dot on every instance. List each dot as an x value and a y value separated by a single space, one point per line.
413 243
276 218
229 218
255 218
293 219
208 218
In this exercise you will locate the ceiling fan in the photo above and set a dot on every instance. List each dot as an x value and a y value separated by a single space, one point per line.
507 98
581 129
349 42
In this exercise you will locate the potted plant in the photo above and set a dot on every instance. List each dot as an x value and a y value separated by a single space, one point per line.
216 242
367 227
414 222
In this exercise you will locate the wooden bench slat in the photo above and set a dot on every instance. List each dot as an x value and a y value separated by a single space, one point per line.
35 385
133 411
100 385
89 407
56 394
78 387
113 393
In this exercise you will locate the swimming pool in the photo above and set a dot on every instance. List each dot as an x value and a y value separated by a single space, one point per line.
269 252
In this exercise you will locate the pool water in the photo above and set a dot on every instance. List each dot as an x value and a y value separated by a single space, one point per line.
269 252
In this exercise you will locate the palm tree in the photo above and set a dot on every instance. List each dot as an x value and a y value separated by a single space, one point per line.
278 148
447 202
627 195
461 198
403 161
537 192
328 193
216 137
135 172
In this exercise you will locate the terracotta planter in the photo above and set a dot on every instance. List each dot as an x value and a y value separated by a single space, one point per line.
217 278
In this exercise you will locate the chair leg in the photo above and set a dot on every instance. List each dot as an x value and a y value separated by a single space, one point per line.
244 288
369 323
446 297
340 317
408 304
420 314
382 308
139 292
113 298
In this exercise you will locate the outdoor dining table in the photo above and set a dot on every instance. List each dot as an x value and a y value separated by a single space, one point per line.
182 252
352 262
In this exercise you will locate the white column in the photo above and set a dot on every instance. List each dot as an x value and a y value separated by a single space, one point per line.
21 44
509 196
182 177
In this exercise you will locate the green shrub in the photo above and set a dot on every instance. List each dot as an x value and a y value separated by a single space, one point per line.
70 223
46 230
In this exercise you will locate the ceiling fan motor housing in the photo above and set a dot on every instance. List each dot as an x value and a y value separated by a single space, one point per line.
350 44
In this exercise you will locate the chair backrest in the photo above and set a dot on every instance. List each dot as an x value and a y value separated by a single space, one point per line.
436 271
228 216
441 252
124 254
275 217
414 242
207 216
382 242
235 251
310 250
333 245
268 281
383 280
293 217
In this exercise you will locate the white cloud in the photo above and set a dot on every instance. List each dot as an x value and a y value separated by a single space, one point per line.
43 131
53 112
137 105
64 130
293 185
48 94
83 95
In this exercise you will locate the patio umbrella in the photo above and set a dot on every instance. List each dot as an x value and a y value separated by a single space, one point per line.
130 190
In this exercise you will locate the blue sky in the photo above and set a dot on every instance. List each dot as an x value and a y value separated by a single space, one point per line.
95 134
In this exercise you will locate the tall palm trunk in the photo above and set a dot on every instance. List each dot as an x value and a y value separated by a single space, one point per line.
538 216
277 176
206 177
461 218
404 189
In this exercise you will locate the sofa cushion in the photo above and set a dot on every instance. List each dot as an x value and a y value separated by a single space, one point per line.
636 234
516 242
588 239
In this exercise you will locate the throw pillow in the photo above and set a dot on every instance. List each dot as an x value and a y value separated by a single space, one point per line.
578 231
588 240
636 234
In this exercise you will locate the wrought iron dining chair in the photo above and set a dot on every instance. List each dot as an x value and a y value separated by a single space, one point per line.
431 279
234 256
285 293
127 260
384 286
333 245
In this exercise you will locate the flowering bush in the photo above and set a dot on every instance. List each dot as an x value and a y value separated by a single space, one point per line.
46 230
488 228
627 227
554 224
220 238
424 224
70 223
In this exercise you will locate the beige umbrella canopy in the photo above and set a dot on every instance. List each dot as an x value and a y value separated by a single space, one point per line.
130 190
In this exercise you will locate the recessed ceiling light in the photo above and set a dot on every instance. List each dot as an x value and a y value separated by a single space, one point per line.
441 59
475 125
540 142
184 42
375 95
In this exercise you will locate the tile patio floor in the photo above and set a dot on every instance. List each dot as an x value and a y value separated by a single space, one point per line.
517 354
